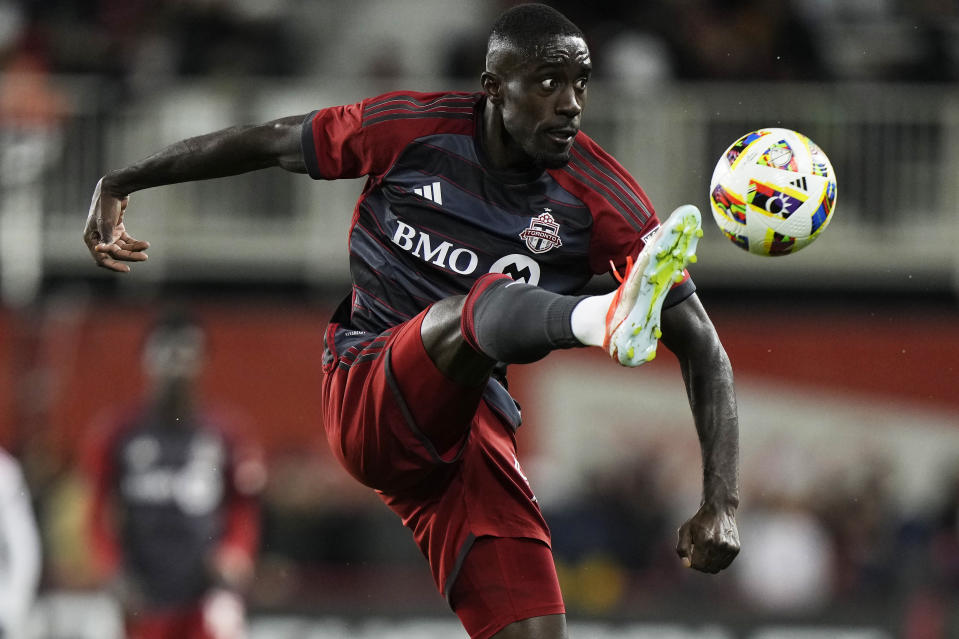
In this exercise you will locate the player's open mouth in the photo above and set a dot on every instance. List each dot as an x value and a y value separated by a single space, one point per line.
561 136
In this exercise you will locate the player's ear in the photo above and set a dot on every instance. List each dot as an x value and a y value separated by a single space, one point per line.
492 86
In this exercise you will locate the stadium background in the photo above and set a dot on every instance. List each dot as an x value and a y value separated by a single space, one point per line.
845 354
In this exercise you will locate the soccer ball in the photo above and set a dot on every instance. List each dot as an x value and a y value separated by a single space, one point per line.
773 192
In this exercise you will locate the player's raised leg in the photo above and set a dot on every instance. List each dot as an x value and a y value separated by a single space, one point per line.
513 322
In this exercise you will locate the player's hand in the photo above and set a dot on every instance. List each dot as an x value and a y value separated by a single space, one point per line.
231 568
105 236
709 541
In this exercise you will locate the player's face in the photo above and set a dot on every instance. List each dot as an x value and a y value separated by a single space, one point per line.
175 356
544 98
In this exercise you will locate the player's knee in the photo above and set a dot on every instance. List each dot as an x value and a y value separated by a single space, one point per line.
441 326
444 343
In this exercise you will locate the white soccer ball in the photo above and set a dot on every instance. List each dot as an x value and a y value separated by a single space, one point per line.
773 192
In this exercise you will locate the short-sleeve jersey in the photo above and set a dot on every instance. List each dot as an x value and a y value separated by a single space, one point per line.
435 215
166 498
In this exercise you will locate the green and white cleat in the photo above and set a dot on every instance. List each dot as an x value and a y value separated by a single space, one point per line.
633 319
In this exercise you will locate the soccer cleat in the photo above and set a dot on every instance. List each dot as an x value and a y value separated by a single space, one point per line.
632 321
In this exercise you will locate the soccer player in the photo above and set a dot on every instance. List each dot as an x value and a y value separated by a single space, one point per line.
174 516
483 216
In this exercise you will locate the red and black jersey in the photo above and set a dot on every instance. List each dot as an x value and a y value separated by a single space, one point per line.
434 215
167 496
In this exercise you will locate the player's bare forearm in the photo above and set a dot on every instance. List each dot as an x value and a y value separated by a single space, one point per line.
709 384
227 152
708 376
708 541
231 151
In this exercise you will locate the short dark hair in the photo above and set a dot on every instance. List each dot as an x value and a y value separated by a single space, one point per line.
526 26
172 320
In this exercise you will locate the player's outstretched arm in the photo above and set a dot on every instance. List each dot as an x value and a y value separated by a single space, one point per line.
230 151
709 541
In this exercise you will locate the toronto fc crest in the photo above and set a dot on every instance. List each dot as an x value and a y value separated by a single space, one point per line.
542 234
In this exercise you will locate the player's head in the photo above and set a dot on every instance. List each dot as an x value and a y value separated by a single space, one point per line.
174 349
537 67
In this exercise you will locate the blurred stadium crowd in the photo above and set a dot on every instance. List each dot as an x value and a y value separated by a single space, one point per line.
329 546
143 45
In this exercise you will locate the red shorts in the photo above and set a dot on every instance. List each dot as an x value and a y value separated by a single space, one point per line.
441 455
219 615
505 580
180 623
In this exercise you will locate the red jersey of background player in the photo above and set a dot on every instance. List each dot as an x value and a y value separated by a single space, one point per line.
166 498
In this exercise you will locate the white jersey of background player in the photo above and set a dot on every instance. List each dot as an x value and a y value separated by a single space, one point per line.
19 550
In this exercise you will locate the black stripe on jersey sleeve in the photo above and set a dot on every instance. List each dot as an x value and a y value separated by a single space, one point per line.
309 149
408 104
574 168
624 187
419 115
624 194
442 108
443 100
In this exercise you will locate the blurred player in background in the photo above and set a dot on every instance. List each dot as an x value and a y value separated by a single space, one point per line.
175 514
483 217
20 558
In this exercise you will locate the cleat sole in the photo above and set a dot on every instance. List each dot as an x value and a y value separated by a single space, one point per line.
634 341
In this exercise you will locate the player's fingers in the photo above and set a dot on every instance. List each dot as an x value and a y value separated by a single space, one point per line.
113 265
131 256
117 252
730 552
726 547
131 252
725 558
132 243
714 556
700 558
125 242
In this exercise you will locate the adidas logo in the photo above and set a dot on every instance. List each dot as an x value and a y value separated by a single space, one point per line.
430 192
800 183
